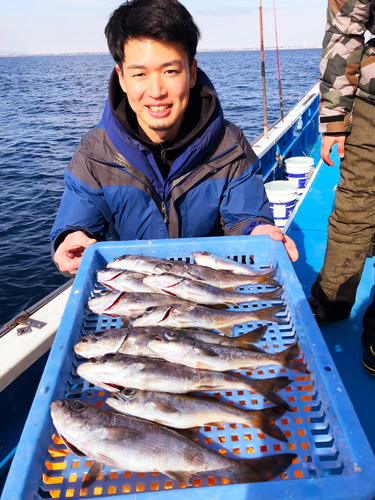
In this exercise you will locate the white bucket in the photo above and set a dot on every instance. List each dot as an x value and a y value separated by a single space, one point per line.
282 196
297 170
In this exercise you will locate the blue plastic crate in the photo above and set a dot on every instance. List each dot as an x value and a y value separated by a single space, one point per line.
334 458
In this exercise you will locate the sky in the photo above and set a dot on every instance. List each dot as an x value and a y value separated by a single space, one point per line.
65 26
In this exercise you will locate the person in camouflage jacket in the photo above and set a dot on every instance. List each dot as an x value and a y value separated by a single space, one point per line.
347 118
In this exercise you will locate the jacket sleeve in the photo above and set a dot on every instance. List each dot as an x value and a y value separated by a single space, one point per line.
343 46
245 200
83 206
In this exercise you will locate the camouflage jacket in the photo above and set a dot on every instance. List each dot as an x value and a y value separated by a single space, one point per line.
347 66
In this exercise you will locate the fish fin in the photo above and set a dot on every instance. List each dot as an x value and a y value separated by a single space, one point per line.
92 474
126 322
122 433
219 306
266 388
181 477
287 357
216 424
195 277
205 351
227 330
252 337
263 421
231 303
72 448
187 433
204 366
163 407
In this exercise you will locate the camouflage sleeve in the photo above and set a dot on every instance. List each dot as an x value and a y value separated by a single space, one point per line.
343 46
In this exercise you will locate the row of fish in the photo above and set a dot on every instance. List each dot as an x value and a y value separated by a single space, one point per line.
151 367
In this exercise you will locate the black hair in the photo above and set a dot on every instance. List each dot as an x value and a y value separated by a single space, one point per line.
162 20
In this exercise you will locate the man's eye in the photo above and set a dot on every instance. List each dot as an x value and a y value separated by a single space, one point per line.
171 72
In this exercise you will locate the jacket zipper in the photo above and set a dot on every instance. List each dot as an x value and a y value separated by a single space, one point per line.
164 211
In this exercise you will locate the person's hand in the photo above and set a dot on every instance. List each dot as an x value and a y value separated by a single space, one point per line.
69 253
275 233
327 142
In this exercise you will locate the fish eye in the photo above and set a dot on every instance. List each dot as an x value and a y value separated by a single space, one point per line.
83 340
128 392
206 253
171 335
169 266
78 405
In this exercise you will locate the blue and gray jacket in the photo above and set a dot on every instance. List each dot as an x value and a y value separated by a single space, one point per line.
214 186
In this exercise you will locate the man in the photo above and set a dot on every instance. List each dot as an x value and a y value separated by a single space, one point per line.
163 162
347 118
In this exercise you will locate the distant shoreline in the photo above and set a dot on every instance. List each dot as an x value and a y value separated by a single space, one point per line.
245 49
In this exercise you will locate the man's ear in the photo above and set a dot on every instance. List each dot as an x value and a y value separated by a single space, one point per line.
121 78
193 73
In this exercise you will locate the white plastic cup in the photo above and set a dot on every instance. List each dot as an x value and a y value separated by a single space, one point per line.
282 196
297 170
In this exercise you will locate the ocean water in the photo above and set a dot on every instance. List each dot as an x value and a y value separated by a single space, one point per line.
49 102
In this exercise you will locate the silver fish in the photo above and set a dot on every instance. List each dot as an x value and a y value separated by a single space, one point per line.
182 411
134 340
123 281
114 372
192 316
197 354
139 263
223 263
128 443
214 277
117 304
201 293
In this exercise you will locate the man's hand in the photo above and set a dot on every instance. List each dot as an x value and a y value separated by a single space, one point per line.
275 233
327 142
69 253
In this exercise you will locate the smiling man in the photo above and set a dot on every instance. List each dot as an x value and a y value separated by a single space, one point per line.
163 162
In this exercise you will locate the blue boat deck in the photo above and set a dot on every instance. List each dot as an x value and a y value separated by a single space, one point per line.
309 231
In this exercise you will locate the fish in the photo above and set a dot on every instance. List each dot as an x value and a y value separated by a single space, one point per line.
132 444
117 304
193 316
182 411
138 263
224 264
114 372
123 281
201 293
214 277
134 340
197 354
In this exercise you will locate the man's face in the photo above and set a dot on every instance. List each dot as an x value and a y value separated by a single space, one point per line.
157 79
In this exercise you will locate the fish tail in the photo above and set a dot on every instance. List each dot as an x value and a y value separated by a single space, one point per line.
257 470
263 420
273 293
268 314
266 388
287 357
251 337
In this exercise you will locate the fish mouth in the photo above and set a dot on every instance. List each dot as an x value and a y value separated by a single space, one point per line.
114 387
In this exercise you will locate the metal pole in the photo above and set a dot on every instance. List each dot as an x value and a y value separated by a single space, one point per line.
278 66
263 71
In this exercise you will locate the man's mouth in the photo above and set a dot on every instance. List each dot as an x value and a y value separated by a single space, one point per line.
155 109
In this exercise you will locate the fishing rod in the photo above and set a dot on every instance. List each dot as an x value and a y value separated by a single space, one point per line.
278 65
263 71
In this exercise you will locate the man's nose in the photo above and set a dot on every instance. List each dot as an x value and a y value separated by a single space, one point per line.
156 88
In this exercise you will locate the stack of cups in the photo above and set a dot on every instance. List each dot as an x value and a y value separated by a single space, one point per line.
282 196
297 170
